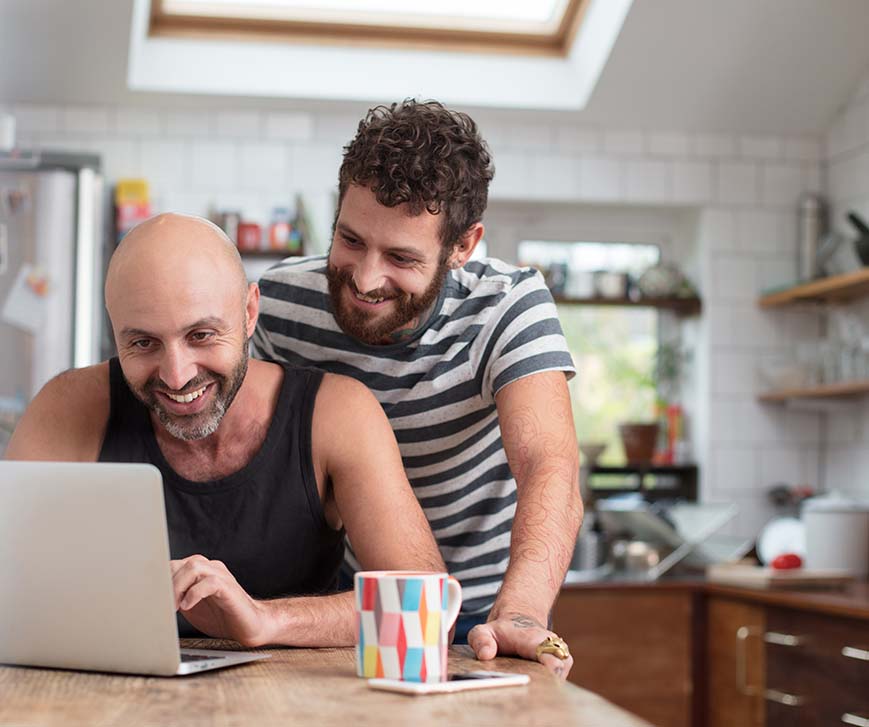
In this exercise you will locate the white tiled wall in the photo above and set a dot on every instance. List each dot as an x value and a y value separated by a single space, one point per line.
744 190
847 153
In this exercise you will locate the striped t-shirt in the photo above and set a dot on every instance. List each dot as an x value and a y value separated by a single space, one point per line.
492 324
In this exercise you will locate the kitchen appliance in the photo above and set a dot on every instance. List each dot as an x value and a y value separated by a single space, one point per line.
812 226
52 237
837 533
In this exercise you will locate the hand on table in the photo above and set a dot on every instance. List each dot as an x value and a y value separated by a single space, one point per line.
210 598
515 634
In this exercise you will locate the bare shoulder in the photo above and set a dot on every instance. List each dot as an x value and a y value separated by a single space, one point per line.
340 395
346 415
67 418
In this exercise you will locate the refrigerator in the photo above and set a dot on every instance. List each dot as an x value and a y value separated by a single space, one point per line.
52 249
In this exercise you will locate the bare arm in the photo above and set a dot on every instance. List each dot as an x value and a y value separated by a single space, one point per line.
354 448
540 442
66 421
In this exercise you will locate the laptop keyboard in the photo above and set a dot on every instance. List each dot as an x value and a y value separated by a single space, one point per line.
199 657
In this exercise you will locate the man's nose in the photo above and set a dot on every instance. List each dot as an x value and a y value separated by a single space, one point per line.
176 367
368 275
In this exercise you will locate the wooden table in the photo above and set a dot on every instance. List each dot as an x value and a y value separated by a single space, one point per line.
294 686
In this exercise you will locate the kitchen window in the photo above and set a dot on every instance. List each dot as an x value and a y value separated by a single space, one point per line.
544 27
613 347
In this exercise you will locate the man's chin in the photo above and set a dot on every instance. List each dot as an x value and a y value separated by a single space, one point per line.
189 428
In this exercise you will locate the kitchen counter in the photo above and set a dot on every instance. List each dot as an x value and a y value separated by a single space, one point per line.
294 686
851 601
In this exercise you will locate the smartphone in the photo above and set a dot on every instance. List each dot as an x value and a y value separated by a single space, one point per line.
454 683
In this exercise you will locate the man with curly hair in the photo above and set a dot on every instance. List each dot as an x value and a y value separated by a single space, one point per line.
467 359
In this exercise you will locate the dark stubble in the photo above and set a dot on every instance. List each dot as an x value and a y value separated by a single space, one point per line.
369 327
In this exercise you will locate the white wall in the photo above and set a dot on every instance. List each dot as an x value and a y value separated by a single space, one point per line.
739 194
847 153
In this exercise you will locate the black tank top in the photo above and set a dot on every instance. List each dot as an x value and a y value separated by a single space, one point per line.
266 521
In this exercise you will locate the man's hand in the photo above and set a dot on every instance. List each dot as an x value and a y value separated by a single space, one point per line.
519 635
210 598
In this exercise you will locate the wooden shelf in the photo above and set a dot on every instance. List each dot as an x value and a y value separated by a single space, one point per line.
687 306
653 482
836 288
843 388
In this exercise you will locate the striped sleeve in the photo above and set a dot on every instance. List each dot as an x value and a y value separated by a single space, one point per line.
526 337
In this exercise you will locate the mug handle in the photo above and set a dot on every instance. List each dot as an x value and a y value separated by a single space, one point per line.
454 601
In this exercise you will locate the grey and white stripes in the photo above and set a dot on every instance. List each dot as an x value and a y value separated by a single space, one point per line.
493 324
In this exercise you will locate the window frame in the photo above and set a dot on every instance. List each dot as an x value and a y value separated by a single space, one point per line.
204 26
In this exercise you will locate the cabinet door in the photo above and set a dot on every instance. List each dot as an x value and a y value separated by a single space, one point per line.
632 646
735 663
820 663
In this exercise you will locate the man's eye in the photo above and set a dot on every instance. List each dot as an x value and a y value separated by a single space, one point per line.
143 344
400 260
200 336
352 242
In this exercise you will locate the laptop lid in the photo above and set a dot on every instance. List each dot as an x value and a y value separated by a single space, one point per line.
84 568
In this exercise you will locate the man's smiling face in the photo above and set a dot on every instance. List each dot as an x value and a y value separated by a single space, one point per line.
386 266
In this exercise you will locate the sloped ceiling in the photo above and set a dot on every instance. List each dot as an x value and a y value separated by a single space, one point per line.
782 66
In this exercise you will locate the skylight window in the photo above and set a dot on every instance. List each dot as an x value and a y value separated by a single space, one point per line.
540 27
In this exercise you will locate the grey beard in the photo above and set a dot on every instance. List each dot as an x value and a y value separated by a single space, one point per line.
192 433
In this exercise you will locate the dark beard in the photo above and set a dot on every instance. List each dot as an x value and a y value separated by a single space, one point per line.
205 423
375 330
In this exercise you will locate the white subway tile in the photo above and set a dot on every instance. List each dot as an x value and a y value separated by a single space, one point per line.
554 177
692 182
623 142
30 118
530 137
214 166
733 372
85 120
840 471
239 124
669 144
755 511
735 467
717 230
760 147
813 178
803 427
138 121
714 145
843 177
738 183
570 138
775 272
719 323
263 165
189 123
649 181
733 277
758 230
803 148
298 127
755 327
331 128
314 167
601 179
165 165
120 158
781 184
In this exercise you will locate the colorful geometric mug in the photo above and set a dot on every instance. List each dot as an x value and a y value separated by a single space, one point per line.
404 619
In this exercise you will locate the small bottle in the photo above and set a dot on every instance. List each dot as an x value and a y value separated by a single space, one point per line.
279 229
812 226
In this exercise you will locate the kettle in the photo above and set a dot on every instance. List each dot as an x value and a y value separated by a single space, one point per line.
837 533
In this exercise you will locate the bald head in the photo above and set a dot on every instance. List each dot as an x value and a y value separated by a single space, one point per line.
168 247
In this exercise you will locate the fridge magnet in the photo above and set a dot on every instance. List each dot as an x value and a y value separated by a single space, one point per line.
15 200
26 304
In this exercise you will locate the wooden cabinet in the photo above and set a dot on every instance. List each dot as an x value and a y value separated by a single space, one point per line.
735 664
634 647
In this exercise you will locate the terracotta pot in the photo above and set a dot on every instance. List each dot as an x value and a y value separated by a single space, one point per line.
639 440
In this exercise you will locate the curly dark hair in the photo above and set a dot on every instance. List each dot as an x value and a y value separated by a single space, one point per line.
425 155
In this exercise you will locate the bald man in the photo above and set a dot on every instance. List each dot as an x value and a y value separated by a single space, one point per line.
264 466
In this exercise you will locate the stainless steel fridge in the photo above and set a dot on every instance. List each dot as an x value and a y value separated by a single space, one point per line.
52 247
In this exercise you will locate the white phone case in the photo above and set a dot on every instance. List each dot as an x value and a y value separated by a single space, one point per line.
470 680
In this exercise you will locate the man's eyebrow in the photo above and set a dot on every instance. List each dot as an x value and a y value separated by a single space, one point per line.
410 251
201 323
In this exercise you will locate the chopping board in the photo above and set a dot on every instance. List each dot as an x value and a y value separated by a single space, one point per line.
755 576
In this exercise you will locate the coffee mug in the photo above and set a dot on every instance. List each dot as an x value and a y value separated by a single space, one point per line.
403 620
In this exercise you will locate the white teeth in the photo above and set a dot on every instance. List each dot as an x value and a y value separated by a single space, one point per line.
367 299
187 398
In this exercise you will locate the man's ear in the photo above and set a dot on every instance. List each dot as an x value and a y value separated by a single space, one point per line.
466 245
251 308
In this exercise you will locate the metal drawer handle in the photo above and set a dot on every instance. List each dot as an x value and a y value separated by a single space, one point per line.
742 634
779 639
852 652
855 720
789 700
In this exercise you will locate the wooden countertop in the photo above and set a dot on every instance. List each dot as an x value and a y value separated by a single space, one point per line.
295 686
851 601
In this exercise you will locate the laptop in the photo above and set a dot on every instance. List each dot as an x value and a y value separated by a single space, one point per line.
85 581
